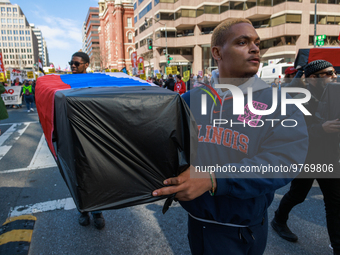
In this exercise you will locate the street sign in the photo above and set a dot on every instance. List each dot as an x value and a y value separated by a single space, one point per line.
319 40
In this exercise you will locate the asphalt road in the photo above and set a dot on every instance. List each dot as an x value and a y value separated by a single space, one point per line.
29 181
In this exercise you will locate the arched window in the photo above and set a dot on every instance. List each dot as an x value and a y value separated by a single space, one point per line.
130 38
130 52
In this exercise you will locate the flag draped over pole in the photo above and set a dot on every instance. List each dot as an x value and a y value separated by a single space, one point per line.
41 67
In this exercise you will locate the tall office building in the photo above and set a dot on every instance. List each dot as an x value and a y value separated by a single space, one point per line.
116 33
83 36
284 26
41 47
18 43
91 38
46 56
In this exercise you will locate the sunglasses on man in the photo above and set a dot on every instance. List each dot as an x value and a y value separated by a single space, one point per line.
330 73
76 63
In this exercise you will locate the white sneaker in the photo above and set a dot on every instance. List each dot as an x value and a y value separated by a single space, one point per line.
32 109
28 111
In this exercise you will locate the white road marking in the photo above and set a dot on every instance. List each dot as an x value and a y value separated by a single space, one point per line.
12 135
10 124
60 204
26 169
42 158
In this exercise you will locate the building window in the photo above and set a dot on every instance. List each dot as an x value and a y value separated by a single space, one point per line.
129 37
130 52
4 38
167 16
9 9
279 41
129 22
9 20
135 19
323 20
135 6
15 10
15 21
211 9
3 9
136 45
3 32
278 20
140 1
3 20
145 10
21 21
250 4
9 32
236 5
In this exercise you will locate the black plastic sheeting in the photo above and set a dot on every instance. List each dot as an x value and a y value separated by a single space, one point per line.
115 145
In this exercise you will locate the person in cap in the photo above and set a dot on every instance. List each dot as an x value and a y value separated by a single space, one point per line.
293 78
80 61
321 134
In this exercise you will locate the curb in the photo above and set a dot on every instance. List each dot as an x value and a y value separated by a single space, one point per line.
16 235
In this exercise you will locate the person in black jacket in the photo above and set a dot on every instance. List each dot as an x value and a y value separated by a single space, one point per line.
170 83
322 137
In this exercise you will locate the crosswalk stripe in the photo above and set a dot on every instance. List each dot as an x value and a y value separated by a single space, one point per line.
11 135
10 124
42 159
65 203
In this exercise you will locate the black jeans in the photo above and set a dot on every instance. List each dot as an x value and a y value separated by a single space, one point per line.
212 239
331 192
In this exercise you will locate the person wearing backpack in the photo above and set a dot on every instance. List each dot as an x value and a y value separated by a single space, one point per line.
27 92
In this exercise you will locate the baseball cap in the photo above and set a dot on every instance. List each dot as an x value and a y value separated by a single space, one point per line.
290 70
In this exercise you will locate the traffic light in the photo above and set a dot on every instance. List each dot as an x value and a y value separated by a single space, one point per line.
149 44
169 59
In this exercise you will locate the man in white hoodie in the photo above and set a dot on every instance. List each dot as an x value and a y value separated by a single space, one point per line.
228 209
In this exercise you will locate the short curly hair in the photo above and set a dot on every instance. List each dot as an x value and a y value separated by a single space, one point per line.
218 36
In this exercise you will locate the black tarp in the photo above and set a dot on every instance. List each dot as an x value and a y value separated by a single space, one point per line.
115 145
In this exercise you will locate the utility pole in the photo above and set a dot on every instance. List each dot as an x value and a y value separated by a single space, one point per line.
315 17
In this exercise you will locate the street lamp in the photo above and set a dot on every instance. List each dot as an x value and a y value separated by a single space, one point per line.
166 35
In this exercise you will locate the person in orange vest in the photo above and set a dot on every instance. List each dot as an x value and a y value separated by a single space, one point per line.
180 85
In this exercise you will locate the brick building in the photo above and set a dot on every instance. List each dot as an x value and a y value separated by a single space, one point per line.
116 33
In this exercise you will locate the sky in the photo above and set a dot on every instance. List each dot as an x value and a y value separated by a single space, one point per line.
60 23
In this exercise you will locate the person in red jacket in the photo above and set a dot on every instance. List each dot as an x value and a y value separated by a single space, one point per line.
180 85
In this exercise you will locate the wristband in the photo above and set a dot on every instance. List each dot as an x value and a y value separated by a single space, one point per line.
212 191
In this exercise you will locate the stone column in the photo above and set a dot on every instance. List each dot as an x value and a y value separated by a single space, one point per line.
197 63
119 28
